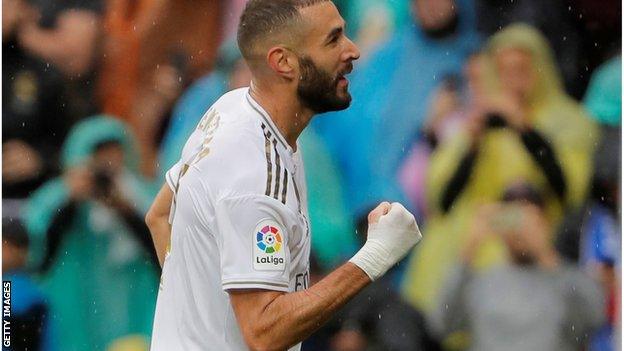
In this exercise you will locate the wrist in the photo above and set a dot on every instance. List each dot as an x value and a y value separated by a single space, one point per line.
372 259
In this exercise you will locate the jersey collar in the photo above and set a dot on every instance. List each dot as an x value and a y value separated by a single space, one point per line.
269 122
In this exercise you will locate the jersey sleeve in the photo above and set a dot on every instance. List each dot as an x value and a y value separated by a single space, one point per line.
252 238
173 174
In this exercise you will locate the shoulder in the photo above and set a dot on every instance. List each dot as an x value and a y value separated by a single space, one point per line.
235 155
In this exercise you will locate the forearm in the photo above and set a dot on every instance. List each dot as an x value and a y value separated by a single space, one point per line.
291 318
545 157
56 233
458 182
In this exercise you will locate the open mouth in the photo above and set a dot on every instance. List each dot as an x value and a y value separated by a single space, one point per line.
342 79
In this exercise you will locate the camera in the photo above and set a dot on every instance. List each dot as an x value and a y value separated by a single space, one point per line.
102 182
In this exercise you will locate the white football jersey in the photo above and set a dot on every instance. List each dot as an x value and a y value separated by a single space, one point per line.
239 221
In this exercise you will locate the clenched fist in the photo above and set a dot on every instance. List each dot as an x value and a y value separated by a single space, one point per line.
392 233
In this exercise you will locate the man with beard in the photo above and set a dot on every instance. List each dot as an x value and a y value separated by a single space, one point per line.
231 225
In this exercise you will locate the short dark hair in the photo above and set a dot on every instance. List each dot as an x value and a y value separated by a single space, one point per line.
264 17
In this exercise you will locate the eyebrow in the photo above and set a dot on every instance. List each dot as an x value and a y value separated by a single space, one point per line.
334 32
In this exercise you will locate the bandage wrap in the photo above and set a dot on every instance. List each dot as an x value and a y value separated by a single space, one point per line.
389 240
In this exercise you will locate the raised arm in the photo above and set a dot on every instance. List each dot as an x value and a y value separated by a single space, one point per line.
271 320
157 220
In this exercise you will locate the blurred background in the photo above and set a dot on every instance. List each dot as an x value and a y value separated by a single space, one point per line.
497 122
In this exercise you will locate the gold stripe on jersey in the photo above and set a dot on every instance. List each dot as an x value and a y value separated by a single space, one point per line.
271 153
267 152
278 170
254 105
285 187
257 282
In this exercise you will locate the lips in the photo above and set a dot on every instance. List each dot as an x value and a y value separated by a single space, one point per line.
341 76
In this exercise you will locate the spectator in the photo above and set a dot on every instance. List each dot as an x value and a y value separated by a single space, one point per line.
95 255
582 32
553 18
48 54
153 49
535 302
527 128
31 328
387 93
450 107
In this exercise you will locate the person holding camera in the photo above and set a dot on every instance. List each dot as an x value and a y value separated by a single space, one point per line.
534 302
523 126
90 245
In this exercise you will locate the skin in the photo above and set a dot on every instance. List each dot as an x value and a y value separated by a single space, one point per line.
433 14
515 69
20 161
276 78
271 320
157 220
69 46
13 256
527 242
80 180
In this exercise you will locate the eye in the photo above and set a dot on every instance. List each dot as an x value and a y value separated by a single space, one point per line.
334 39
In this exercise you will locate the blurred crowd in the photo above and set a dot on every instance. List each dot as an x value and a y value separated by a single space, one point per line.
497 122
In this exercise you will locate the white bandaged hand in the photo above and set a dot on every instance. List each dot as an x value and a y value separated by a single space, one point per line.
388 241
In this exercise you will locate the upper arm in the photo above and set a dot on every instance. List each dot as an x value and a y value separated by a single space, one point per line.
161 206
253 234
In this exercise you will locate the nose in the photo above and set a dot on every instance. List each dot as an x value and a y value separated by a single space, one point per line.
353 52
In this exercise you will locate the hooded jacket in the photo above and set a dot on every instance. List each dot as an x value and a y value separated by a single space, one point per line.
99 278
501 160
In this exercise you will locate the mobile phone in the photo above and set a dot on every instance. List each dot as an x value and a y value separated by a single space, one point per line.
508 218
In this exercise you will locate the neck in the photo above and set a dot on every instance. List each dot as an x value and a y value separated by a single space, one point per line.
285 110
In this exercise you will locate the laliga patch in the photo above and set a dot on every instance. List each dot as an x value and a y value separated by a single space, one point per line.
268 247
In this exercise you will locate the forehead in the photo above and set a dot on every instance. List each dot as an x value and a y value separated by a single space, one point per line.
321 19
513 55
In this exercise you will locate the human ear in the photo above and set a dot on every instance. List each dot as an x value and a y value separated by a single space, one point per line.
282 62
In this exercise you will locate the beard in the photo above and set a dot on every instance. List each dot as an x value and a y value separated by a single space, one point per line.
318 89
